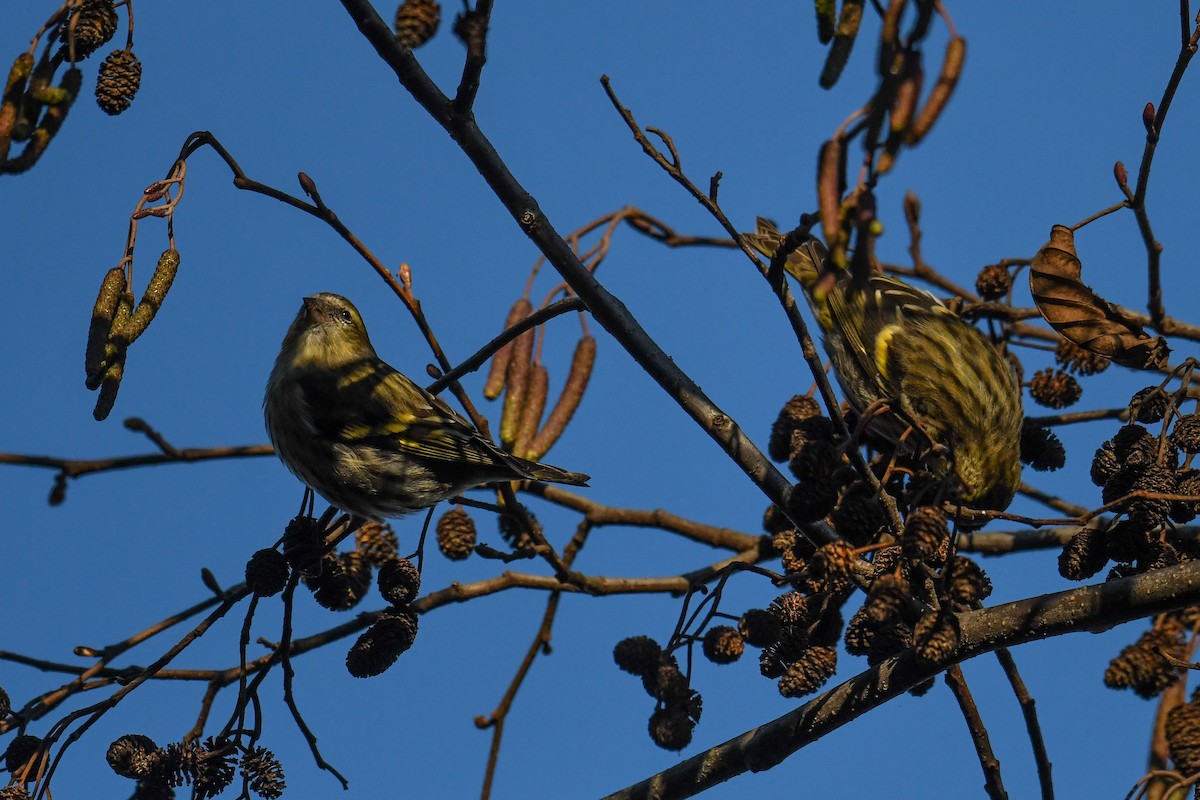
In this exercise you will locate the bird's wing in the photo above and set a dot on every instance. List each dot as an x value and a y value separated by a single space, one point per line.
766 236
847 313
895 297
886 302
370 403
803 265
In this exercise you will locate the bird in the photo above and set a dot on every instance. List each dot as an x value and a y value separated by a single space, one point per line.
365 437
892 342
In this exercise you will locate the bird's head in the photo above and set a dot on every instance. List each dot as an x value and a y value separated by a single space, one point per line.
327 332
990 475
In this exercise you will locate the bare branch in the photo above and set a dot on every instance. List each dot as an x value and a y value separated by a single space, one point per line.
1029 711
1154 124
1090 608
607 309
993 783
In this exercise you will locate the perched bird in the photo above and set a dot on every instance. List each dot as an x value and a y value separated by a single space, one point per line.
889 341
363 436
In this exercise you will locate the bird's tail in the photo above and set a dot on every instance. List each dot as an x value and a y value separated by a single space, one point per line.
766 240
544 472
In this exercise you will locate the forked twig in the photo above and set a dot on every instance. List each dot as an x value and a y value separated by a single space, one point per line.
993 784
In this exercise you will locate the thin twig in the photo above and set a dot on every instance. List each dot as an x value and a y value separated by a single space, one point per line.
1051 501
659 231
921 269
468 85
564 306
1072 417
993 784
1100 214
1029 712
141 426
1138 201
540 644
100 669
289 674
599 514
206 702
321 211
94 712
1173 696
775 280
76 467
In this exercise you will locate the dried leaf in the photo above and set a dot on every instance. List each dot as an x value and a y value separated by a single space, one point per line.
1082 316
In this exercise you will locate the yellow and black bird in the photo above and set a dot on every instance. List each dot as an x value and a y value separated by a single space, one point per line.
889 341
365 437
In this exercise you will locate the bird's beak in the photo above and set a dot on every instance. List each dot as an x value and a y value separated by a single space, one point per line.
313 310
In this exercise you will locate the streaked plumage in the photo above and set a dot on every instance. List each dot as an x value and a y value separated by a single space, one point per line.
891 341
365 437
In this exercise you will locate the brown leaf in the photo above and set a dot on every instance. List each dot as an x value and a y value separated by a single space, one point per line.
1082 316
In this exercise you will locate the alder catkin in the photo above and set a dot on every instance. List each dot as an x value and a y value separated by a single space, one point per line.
843 42
582 364
520 362
535 404
829 193
156 292
952 65
499 369
109 385
103 313
907 95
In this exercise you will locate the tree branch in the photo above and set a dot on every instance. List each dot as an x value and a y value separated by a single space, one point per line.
606 308
1090 608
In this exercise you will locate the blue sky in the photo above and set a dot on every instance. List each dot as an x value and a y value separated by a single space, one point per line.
1050 98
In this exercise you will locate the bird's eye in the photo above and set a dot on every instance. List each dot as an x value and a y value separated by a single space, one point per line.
346 315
